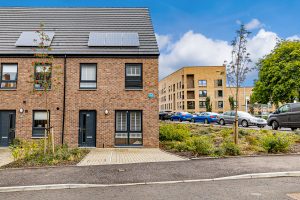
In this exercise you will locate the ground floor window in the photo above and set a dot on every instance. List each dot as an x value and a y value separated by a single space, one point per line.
39 123
128 128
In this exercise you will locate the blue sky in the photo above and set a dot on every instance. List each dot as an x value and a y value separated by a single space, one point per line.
208 24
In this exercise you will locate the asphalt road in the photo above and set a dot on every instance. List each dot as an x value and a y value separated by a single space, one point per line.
150 172
252 189
230 125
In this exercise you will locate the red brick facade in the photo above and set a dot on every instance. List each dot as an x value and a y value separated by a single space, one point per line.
110 95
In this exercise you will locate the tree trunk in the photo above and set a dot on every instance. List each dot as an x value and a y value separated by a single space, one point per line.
236 119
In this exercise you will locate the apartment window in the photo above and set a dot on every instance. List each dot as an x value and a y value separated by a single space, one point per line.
39 123
202 93
220 93
9 73
202 83
202 104
220 104
191 105
219 83
133 77
42 77
88 76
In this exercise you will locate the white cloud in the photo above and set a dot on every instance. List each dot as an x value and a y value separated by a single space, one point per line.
195 49
253 24
163 41
294 37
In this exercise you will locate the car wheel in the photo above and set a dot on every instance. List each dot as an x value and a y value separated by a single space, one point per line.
193 120
293 129
180 120
222 122
244 123
205 121
171 119
275 125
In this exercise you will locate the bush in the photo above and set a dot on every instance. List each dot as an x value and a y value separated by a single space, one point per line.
277 142
173 132
243 132
202 145
180 146
31 153
230 148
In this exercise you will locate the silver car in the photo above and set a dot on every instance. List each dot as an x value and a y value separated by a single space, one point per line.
245 119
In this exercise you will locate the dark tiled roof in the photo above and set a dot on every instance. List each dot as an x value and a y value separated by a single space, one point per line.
72 27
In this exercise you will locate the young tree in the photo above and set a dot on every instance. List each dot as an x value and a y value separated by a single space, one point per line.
43 81
238 68
279 75
208 105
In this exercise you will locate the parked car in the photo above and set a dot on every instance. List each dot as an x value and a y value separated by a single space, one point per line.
245 119
287 116
165 115
181 116
205 117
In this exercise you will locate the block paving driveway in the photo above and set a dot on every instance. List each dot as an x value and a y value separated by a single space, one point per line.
110 156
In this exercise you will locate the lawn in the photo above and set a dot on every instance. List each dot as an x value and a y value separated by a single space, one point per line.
196 140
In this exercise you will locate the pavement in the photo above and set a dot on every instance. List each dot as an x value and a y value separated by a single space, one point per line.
5 156
108 156
286 188
149 172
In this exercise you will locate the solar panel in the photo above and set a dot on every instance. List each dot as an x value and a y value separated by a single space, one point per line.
32 39
113 39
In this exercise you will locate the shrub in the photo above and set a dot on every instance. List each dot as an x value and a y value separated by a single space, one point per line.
243 132
173 132
277 142
202 145
230 148
180 146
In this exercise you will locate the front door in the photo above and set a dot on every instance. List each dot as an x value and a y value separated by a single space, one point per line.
7 127
87 129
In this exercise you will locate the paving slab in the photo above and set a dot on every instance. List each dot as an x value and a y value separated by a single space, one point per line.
110 156
5 156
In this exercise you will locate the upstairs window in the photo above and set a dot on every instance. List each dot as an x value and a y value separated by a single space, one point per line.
202 93
219 83
8 76
133 76
42 76
88 76
202 83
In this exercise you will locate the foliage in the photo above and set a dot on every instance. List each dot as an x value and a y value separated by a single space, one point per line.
208 105
231 102
230 148
279 74
277 142
173 132
28 153
202 145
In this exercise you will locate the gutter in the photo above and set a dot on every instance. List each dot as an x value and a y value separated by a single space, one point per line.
64 101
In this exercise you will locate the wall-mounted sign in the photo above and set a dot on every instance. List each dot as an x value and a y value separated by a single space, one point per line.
150 95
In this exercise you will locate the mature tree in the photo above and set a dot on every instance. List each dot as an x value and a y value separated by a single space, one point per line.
208 104
238 68
231 102
43 81
279 74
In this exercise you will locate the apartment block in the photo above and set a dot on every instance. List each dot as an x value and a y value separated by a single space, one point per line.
108 58
187 90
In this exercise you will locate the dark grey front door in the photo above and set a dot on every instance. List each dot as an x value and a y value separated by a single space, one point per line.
87 129
7 127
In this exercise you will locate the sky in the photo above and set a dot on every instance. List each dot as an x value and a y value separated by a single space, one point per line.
199 32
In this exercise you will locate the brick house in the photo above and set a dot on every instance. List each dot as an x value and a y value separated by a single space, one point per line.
109 70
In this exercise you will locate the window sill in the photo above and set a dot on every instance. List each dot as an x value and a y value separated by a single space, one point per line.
87 89
41 89
133 89
36 137
7 89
